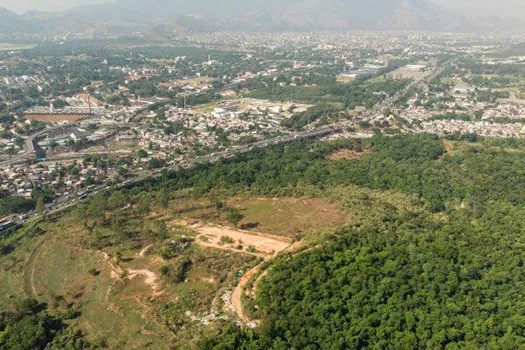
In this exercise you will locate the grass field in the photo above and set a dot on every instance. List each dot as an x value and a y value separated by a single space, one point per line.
127 304
289 216
10 47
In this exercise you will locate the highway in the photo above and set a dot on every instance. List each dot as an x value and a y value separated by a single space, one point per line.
391 101
63 203
66 202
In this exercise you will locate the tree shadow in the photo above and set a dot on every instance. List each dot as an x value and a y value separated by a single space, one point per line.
249 226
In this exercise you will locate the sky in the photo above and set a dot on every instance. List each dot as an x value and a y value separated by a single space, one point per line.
503 8
21 6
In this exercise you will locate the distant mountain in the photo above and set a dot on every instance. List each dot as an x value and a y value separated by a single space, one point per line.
294 15
10 22
273 14
165 16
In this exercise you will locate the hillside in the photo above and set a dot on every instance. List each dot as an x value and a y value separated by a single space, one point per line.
272 15
352 244
11 22
301 15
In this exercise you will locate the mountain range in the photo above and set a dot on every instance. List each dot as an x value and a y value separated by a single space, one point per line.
255 15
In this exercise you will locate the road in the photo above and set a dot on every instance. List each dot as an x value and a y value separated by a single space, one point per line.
63 203
29 146
391 101
66 202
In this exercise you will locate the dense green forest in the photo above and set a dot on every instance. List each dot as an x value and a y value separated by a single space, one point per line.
406 283
26 324
444 272
416 164
448 276
410 283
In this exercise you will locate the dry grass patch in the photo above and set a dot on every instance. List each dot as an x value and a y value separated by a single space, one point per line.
347 154
289 217
450 146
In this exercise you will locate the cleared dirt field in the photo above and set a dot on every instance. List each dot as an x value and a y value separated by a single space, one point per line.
260 245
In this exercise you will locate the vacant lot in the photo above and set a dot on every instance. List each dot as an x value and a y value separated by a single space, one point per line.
58 273
289 216
118 291
231 239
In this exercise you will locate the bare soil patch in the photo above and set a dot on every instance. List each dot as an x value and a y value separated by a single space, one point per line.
241 241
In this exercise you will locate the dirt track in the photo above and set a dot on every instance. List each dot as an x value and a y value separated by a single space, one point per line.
267 247
29 271
237 296
236 299
150 278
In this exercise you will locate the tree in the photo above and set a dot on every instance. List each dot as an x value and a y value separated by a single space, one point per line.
97 208
11 152
219 206
234 216
155 163
40 205
144 205
40 154
164 198
117 200
142 154
163 230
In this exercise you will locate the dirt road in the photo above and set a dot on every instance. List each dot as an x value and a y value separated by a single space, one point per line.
266 246
237 296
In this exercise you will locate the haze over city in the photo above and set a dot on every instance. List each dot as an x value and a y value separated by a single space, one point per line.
504 8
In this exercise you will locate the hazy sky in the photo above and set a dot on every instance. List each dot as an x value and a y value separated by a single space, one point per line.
505 8
44 5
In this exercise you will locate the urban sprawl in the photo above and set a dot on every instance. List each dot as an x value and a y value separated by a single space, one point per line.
79 113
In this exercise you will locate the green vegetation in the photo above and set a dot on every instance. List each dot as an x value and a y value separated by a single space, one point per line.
504 120
407 278
226 240
12 205
234 217
408 282
405 245
26 324
299 121
359 92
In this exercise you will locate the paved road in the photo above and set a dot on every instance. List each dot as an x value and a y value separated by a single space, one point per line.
66 202
31 143
391 101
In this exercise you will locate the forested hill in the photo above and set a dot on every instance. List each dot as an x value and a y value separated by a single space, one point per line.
417 164
449 275
427 251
